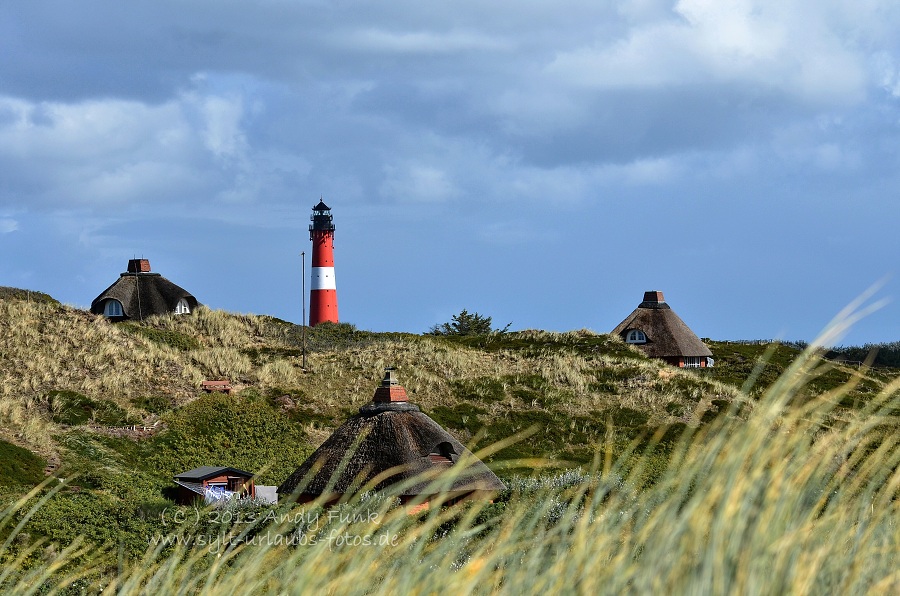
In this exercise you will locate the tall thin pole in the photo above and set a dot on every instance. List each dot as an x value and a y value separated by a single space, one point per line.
303 293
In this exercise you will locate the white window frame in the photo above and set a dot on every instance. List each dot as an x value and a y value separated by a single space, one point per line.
113 308
182 308
692 361
635 336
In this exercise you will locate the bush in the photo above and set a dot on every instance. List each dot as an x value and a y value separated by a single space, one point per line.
155 404
7 293
165 337
73 408
19 466
467 324
247 433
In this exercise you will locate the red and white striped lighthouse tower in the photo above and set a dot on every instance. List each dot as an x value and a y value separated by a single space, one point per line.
323 292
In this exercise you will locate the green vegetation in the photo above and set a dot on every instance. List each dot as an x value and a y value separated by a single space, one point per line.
73 408
19 466
653 444
7 293
243 431
165 337
881 354
466 323
788 499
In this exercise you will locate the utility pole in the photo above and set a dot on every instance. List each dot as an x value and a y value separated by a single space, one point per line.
303 293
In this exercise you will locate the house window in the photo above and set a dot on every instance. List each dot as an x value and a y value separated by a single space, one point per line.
112 308
182 308
692 361
442 454
635 336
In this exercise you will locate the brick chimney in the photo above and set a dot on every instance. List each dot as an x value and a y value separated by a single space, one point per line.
654 297
390 389
138 266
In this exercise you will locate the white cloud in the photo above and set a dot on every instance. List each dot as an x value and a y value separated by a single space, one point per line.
779 45
417 182
112 152
222 132
415 42
887 73
8 225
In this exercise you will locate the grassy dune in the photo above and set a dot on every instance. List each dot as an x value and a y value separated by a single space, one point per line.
62 367
785 500
686 482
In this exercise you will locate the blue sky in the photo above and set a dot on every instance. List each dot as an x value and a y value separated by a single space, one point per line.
543 163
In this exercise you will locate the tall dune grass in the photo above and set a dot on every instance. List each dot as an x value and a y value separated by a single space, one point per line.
785 499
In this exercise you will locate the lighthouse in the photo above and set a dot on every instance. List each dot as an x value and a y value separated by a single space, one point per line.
323 292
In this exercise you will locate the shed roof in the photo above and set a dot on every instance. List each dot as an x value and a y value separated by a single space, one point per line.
143 293
667 335
388 435
203 472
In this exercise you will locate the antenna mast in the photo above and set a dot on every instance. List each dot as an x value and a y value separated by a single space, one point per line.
303 294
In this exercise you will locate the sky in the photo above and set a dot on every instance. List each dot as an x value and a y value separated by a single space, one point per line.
543 163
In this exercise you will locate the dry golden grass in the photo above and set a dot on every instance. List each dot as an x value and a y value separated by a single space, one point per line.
782 502
47 347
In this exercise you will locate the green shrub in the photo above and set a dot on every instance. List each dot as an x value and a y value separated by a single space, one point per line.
247 433
166 337
675 409
19 466
70 407
155 404
7 293
104 520
73 408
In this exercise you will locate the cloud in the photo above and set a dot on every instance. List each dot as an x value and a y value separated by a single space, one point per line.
8 225
415 42
777 45
222 132
102 153
417 182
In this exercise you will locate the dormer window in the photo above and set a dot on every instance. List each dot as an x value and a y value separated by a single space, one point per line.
635 336
112 308
182 308
442 454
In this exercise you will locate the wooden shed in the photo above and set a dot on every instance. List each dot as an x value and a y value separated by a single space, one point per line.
212 483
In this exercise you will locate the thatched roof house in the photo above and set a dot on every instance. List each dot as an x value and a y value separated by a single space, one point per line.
139 293
389 434
660 333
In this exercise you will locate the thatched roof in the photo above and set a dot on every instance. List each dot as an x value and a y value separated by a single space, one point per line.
143 293
388 433
666 334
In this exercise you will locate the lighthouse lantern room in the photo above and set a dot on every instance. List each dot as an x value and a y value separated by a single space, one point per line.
323 291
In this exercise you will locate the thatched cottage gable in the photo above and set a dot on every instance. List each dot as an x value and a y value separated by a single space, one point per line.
139 293
660 333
